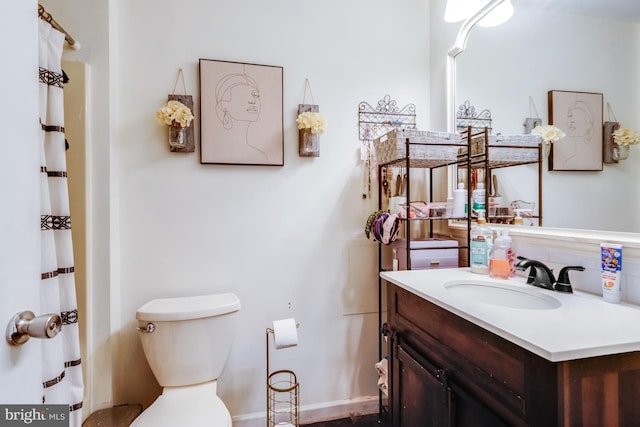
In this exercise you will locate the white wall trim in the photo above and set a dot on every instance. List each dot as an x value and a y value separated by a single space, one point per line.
573 240
317 413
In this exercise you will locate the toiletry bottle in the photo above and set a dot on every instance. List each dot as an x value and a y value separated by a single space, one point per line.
459 201
517 220
611 272
395 259
511 255
499 257
479 199
481 239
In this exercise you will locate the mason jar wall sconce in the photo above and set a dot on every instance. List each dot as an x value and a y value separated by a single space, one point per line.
310 125
177 114
617 140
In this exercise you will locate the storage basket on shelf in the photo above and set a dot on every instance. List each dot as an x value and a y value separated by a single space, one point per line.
428 148
514 148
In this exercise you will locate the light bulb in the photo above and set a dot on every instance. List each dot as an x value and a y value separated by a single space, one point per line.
499 15
459 10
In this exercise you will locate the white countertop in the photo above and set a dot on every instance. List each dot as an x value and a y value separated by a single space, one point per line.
584 325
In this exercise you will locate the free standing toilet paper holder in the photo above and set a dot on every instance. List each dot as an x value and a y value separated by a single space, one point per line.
283 398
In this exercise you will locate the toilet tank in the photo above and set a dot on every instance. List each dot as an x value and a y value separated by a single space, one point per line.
191 337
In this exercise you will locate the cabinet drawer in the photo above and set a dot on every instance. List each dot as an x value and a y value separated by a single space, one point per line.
433 253
480 347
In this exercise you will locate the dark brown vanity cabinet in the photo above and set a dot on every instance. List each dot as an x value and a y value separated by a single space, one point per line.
446 371
427 397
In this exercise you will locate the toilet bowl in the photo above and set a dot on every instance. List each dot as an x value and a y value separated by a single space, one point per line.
187 342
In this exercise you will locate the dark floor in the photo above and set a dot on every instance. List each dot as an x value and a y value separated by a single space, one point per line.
122 416
362 421
118 416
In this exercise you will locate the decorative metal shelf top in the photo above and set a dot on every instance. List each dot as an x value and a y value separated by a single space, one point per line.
375 122
467 116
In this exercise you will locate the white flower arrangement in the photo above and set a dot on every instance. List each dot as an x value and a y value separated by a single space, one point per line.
626 136
174 113
548 133
312 121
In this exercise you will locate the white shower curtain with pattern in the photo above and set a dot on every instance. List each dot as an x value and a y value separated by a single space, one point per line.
61 368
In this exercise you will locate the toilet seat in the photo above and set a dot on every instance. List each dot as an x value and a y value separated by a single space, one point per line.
193 406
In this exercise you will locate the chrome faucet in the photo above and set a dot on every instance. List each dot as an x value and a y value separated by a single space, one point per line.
542 276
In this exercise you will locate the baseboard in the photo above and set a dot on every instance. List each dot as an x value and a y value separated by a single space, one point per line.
326 411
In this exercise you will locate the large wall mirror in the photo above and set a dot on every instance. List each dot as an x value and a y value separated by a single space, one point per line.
509 70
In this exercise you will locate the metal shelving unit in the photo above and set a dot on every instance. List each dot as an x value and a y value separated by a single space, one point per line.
473 150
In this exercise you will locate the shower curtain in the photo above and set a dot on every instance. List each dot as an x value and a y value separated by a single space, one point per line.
61 368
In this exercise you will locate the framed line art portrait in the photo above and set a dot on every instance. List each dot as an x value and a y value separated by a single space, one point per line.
241 113
579 115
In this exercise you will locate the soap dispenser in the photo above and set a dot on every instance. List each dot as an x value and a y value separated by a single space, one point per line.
481 240
499 266
517 220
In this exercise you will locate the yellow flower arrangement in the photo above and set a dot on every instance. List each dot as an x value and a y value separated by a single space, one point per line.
626 136
548 133
174 113
312 121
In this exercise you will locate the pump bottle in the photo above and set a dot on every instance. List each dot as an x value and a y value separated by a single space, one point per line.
517 220
481 242
499 266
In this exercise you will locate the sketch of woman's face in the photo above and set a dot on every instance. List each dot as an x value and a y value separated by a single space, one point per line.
242 102
237 100
579 121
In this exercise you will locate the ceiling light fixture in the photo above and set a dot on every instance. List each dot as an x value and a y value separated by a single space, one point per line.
501 14
460 10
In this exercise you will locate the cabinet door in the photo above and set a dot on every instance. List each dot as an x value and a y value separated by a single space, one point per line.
419 390
468 411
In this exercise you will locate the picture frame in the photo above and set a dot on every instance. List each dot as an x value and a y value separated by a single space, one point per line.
579 116
241 113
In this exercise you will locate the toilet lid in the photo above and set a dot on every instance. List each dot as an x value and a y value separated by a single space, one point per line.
186 308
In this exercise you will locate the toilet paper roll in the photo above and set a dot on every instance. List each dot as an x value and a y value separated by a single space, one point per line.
285 333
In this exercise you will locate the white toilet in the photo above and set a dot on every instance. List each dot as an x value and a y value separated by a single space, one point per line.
187 342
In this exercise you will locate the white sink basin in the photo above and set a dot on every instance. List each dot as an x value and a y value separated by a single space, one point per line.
502 294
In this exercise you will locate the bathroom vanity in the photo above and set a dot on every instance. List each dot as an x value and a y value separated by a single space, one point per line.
467 350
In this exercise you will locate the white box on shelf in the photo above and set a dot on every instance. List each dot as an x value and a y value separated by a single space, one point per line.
431 253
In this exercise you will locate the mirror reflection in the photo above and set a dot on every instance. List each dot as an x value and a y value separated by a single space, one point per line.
510 69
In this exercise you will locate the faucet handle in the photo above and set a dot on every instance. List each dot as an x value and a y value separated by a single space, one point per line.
564 284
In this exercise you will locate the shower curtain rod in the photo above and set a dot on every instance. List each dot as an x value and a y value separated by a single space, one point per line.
46 16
